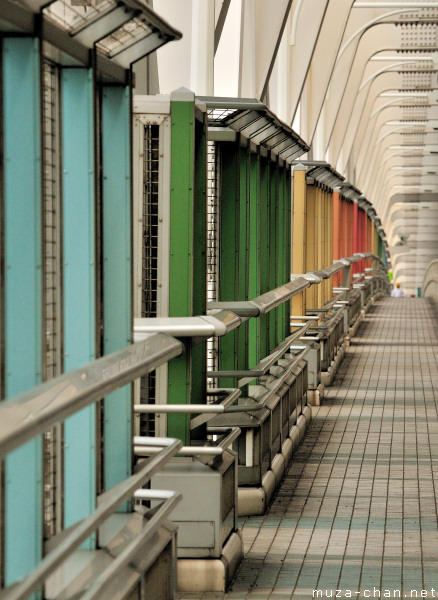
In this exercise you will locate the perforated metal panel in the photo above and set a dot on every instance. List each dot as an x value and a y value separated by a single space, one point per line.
52 290
418 35
213 249
150 220
415 111
417 80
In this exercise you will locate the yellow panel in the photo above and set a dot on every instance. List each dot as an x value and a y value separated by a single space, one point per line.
298 238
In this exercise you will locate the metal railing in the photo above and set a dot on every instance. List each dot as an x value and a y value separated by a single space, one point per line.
29 414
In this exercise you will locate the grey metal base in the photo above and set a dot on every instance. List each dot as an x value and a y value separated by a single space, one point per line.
314 397
253 501
198 575
153 569
353 329
328 376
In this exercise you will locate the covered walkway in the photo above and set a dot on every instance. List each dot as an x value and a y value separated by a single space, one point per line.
357 509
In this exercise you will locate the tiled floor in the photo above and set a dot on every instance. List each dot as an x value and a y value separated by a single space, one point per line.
357 509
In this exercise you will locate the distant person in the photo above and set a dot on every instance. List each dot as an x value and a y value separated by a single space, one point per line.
397 292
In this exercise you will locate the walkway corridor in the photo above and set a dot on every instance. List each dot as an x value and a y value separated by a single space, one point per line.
357 509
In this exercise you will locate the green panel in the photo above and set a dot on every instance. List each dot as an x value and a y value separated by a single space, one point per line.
181 302
254 260
273 251
281 252
243 254
22 293
181 217
229 248
179 392
116 157
264 250
380 251
79 284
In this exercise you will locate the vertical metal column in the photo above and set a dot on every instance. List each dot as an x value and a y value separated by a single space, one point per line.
344 213
264 249
213 246
330 239
337 231
22 293
281 249
254 255
243 249
116 189
273 250
79 284
229 250
355 233
199 279
311 255
288 242
320 240
187 287
298 234
52 289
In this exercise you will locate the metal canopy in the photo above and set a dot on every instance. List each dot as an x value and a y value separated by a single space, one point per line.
326 175
124 31
121 31
351 192
255 122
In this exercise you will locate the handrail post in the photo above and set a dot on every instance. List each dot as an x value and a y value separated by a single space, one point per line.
346 276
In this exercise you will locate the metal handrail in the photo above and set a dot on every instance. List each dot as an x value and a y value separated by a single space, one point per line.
266 302
27 415
132 549
109 502
143 447
264 365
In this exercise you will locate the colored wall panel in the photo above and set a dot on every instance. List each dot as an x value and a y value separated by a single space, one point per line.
22 293
79 284
181 253
116 155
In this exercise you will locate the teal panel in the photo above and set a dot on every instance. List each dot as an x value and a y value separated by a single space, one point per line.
22 295
117 286
79 284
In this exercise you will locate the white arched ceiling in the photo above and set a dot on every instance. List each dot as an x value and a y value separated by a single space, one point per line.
358 80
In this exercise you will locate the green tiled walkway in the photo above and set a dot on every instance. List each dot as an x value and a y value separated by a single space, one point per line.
357 509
